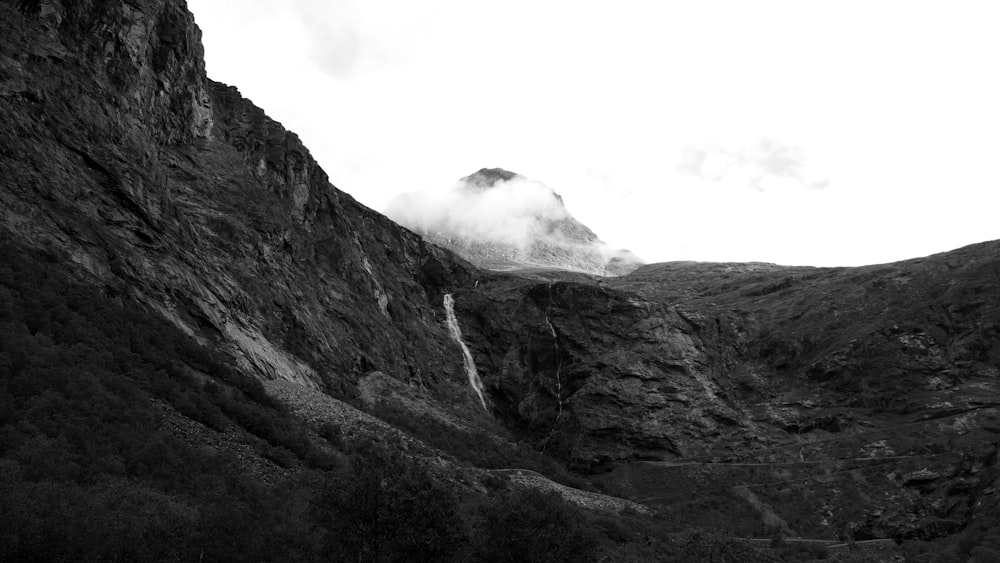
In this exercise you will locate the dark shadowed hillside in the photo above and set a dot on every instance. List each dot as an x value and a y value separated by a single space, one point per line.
176 190
208 352
860 400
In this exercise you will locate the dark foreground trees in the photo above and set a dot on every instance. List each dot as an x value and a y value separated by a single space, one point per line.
531 525
91 387
387 508
93 467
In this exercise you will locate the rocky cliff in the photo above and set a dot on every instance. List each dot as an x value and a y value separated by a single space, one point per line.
165 186
766 374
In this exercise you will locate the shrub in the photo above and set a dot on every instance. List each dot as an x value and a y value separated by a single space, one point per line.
387 509
531 526
707 546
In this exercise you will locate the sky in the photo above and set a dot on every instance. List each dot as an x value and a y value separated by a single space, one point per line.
795 132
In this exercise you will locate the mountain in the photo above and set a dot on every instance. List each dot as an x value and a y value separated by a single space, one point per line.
209 352
175 190
860 401
501 220
201 339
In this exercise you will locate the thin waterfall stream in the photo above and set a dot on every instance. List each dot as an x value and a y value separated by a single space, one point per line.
456 333
555 341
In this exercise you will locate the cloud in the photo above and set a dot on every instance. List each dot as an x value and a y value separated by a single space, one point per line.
333 32
502 219
765 164
512 212
345 37
710 162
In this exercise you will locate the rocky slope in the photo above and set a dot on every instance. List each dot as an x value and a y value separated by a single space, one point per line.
787 371
163 185
500 220
808 401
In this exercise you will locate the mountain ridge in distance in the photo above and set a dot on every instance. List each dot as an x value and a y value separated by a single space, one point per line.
501 220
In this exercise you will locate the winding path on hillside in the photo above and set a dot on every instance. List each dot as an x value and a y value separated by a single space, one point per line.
845 436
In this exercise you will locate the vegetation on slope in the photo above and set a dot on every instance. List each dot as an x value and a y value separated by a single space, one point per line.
92 467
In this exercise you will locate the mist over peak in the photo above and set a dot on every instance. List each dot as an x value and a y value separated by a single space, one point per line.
502 220
489 177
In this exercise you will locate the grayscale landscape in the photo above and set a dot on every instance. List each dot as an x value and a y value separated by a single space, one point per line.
209 352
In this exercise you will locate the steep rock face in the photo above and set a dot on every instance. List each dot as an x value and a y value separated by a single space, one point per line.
881 379
744 351
145 56
879 334
596 376
125 159
500 220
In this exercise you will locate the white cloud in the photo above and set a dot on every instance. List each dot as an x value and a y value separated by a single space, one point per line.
334 31
600 102
766 163
512 212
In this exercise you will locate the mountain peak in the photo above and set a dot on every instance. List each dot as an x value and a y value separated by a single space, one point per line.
489 177
499 219
486 178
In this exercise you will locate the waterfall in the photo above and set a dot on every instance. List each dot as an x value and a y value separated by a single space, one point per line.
555 341
456 333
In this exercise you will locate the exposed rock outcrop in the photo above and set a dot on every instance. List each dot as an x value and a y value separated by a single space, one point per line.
853 372
125 159
596 375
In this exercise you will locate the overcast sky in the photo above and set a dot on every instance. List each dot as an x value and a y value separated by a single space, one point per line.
799 132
